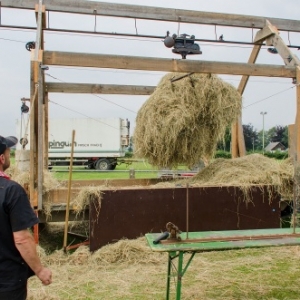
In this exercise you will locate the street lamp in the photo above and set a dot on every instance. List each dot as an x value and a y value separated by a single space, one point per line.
263 113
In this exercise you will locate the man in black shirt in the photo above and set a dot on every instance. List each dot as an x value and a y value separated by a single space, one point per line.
18 256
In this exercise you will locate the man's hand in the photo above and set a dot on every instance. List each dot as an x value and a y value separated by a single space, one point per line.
45 275
25 244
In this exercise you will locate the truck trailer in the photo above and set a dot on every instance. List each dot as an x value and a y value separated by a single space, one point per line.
98 143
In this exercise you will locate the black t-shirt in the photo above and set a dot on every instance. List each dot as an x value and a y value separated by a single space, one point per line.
16 214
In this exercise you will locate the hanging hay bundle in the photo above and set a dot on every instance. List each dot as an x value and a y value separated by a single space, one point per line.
183 120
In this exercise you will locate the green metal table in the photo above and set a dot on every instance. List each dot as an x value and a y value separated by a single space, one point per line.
214 241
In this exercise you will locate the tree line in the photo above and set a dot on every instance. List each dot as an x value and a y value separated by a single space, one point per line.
254 138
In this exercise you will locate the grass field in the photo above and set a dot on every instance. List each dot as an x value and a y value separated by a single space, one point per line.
138 274
142 170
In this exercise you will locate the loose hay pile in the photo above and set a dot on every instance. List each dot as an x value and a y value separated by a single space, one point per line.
247 171
23 178
182 121
244 173
141 274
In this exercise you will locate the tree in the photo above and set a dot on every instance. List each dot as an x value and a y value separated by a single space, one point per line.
279 134
251 137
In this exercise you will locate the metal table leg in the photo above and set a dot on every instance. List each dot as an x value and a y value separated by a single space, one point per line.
179 275
180 272
169 275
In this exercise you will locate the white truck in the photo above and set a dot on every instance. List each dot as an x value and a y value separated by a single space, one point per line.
98 143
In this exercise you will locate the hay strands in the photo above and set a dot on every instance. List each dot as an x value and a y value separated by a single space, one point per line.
181 77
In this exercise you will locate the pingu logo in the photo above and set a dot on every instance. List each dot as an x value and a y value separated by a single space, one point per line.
60 145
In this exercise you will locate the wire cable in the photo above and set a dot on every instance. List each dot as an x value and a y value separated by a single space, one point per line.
10 40
73 110
261 100
97 96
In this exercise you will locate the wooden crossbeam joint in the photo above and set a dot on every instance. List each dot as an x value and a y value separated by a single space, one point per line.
265 32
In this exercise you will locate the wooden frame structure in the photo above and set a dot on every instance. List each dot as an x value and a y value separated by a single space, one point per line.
40 58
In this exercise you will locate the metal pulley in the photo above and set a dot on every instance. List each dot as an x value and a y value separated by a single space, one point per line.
29 46
182 45
24 108
23 142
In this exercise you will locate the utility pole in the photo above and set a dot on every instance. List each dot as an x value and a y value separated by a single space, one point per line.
263 113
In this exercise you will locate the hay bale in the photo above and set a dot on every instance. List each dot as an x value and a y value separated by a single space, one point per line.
183 121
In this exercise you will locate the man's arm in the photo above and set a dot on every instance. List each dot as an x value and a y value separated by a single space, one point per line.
25 244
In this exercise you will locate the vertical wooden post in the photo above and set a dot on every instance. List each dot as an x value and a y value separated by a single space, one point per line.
40 138
297 135
296 202
69 194
46 130
33 133
234 140
37 112
292 141
238 147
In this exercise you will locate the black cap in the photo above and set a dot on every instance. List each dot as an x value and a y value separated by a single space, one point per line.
7 143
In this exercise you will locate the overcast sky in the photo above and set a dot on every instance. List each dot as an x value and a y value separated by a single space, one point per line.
276 96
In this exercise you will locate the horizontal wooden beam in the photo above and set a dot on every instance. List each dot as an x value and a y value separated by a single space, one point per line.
109 89
164 64
155 13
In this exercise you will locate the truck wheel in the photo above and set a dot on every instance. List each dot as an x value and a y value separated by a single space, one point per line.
103 164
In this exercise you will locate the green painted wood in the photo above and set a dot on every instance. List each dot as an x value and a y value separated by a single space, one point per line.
226 245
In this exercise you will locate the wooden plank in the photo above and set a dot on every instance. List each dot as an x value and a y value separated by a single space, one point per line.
40 142
156 13
33 135
297 135
234 140
289 58
163 64
86 88
46 130
291 142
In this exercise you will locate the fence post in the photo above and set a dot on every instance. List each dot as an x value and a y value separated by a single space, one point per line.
132 174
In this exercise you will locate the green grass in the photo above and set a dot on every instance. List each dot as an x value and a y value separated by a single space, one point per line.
142 170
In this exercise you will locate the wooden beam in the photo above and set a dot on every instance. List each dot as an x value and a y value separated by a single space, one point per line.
87 88
272 37
33 134
155 13
46 131
289 58
291 141
36 117
164 64
297 135
264 33
238 147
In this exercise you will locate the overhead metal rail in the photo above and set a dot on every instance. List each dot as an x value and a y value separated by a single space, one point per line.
155 13
131 35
